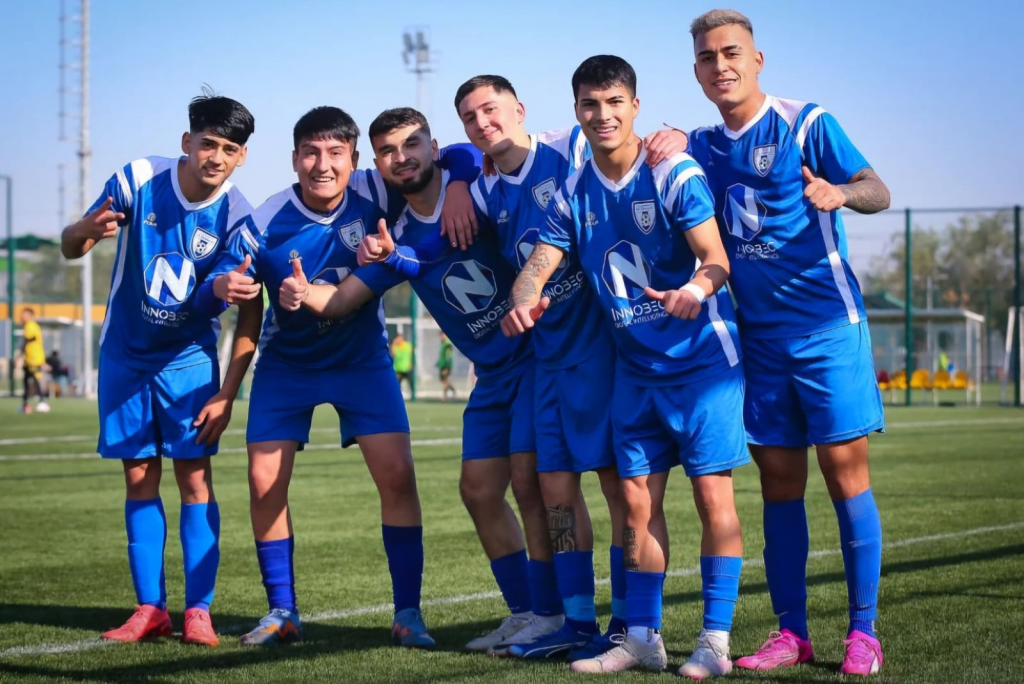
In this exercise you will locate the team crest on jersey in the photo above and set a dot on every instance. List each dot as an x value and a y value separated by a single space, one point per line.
643 214
544 192
203 243
352 234
763 156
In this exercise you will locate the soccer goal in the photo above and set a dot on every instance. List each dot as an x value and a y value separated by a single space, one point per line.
426 340
1004 386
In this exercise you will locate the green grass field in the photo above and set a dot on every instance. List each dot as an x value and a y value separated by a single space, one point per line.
949 481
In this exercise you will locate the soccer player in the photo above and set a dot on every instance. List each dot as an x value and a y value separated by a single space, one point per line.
648 243
466 292
35 359
158 374
402 359
572 345
780 170
445 361
316 225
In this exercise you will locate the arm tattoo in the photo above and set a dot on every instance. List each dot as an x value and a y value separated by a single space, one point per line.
630 550
866 193
562 528
526 285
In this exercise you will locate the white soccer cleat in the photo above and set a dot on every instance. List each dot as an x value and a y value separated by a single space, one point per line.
631 653
42 407
710 659
508 628
538 626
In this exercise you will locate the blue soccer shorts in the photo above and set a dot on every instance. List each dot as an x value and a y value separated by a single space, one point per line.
574 416
368 401
146 413
815 389
499 418
698 425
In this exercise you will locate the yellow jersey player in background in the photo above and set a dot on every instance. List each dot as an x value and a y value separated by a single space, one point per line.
35 360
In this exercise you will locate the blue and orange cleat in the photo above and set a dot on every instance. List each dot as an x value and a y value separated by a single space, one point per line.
408 630
148 622
279 626
199 629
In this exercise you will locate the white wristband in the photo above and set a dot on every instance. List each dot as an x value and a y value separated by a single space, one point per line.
696 290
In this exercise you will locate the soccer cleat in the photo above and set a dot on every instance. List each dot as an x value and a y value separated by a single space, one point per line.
709 659
863 655
148 622
598 644
783 649
43 407
506 630
408 630
26 409
629 653
553 645
538 626
199 628
279 626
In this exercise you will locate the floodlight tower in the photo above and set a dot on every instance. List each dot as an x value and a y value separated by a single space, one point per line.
416 56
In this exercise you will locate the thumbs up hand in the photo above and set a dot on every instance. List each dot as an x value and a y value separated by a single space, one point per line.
294 288
235 286
822 195
374 248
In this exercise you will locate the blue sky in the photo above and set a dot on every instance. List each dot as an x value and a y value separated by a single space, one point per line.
930 92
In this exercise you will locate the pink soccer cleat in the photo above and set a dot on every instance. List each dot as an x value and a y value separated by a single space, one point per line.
863 655
782 649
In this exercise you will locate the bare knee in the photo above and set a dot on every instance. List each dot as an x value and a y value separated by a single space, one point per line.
142 478
526 486
398 482
845 468
481 493
713 497
195 480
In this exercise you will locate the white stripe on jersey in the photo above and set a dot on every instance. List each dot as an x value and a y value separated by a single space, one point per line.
382 192
836 262
250 240
677 186
579 152
665 167
805 128
478 197
266 212
122 256
723 332
789 110
143 170
125 188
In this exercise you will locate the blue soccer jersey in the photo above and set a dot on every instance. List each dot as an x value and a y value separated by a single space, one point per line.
572 330
282 229
631 234
166 246
465 291
790 271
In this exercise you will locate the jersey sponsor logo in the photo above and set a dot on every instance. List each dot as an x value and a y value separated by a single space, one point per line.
643 214
203 243
469 286
503 216
762 157
544 192
150 220
626 273
524 248
352 234
591 218
744 212
170 279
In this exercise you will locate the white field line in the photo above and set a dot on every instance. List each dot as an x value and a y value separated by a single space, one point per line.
415 442
333 615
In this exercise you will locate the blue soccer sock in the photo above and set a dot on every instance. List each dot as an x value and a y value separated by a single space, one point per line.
618 568
720 587
575 570
544 598
404 548
786 543
146 525
277 566
199 527
512 574
643 599
860 533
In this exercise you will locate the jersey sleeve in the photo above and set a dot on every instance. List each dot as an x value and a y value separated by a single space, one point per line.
379 278
559 227
828 151
687 198
118 188
570 143
241 242
462 161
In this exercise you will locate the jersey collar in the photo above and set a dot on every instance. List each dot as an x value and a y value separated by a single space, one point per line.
615 187
736 135
524 170
436 216
193 206
312 215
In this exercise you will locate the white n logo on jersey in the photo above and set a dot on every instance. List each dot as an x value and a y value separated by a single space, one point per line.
744 212
626 272
170 279
469 286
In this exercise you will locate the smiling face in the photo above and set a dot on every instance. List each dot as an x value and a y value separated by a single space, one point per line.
727 66
324 168
405 157
211 158
606 115
492 120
